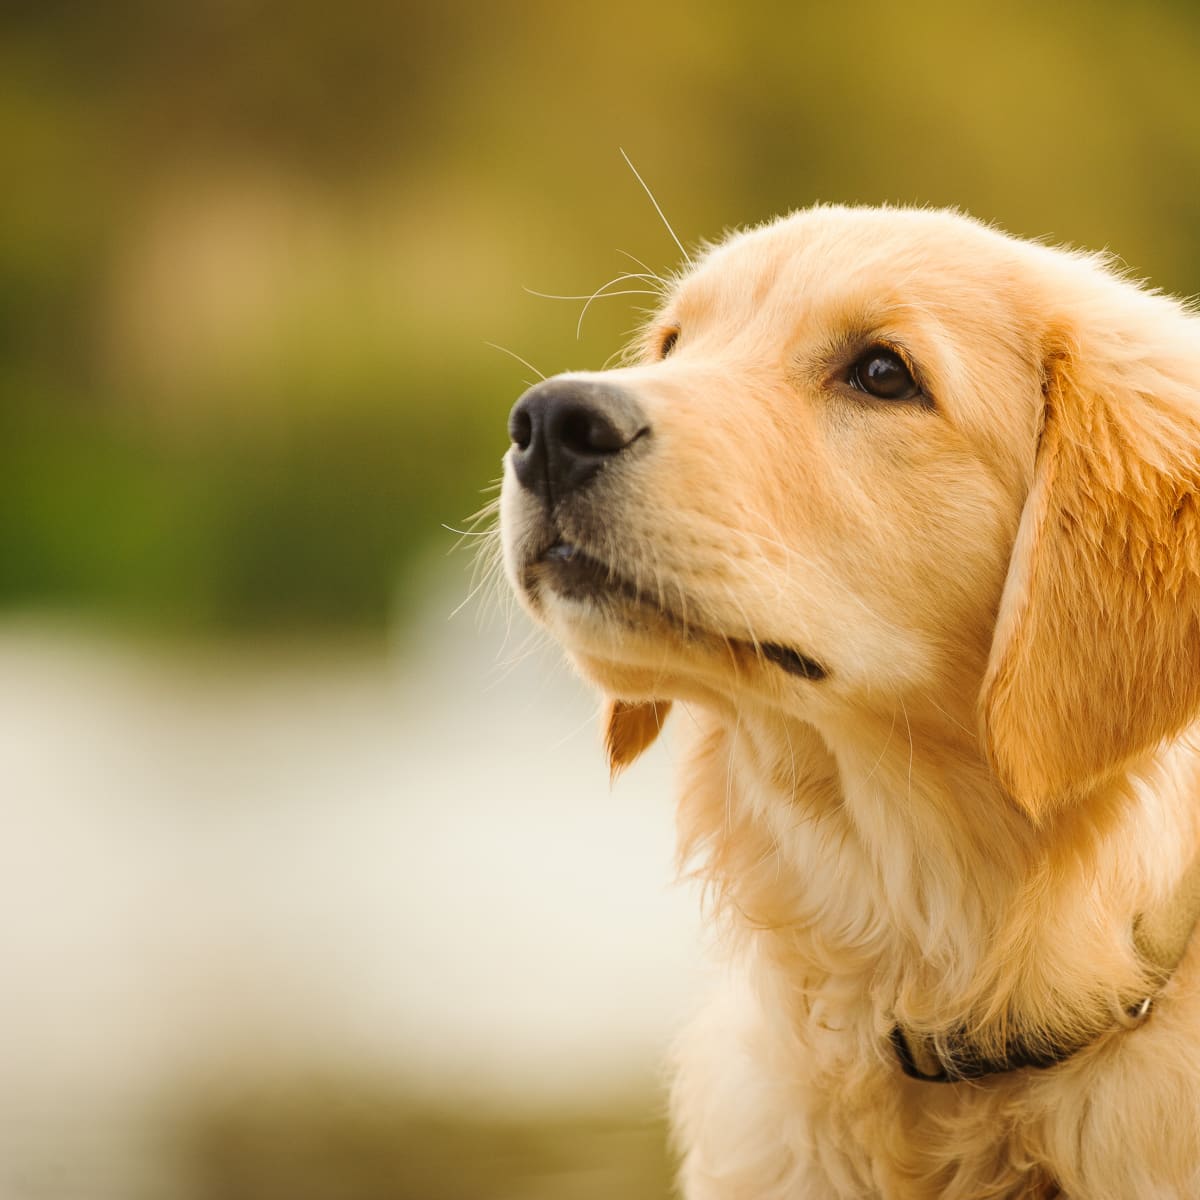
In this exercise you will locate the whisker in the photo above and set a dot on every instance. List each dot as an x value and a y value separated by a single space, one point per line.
572 734
628 162
599 293
467 599
485 512
602 295
600 290
513 354
466 532
650 272
487 571
535 640
492 485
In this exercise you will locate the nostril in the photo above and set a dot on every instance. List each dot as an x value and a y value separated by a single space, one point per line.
520 428
575 431
583 430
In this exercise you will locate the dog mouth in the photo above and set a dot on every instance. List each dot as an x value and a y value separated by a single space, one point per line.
573 574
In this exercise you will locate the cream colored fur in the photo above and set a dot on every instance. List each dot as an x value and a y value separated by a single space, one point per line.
959 825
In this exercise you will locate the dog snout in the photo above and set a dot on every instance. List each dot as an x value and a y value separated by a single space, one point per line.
564 431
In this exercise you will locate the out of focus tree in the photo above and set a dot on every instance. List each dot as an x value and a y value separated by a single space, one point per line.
251 252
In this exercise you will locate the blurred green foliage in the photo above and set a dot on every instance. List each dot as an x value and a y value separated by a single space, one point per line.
251 252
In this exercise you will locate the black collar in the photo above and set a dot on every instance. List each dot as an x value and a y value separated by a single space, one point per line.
1160 937
956 1059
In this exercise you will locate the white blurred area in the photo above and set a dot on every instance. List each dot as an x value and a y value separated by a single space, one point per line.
219 866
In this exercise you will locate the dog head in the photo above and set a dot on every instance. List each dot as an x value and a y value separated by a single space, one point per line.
875 456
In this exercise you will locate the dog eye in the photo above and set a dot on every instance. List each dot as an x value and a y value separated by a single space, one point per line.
668 342
882 373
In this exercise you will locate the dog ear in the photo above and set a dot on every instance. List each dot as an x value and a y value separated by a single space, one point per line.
1096 655
631 727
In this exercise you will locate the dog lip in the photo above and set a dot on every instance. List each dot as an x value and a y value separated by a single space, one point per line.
577 575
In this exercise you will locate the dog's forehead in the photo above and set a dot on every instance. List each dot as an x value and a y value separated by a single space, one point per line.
870 253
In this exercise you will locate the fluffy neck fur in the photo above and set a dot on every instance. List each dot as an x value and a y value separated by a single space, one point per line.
874 873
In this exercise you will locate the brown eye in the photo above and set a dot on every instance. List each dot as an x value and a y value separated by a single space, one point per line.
881 373
668 343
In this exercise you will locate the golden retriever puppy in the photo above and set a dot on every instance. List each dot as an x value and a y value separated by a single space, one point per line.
905 515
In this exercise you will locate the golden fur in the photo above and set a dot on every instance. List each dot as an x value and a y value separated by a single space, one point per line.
957 828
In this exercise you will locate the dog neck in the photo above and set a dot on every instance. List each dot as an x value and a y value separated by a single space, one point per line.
878 866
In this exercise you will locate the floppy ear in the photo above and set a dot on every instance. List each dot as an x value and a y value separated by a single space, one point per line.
631 727
1096 656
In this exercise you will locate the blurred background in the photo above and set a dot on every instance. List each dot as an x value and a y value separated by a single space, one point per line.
311 880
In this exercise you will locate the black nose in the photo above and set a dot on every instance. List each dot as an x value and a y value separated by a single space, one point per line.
565 430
